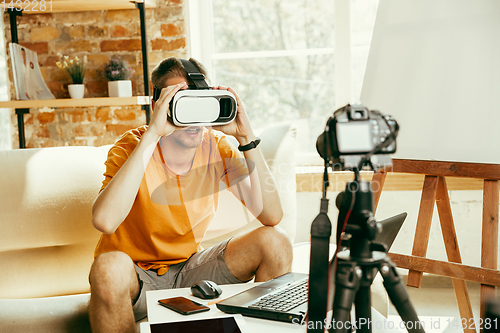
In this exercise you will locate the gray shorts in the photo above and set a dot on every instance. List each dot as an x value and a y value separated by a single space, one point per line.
207 264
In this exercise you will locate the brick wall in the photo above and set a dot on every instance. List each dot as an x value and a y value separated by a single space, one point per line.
95 36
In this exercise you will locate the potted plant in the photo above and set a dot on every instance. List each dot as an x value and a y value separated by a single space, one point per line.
76 69
118 75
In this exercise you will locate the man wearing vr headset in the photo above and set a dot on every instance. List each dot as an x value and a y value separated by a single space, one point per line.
159 195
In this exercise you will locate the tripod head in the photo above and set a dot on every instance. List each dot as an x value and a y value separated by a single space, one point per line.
357 227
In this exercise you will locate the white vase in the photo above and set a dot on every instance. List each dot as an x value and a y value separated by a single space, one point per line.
76 90
120 88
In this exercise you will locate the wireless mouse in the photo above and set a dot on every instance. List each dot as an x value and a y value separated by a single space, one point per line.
206 289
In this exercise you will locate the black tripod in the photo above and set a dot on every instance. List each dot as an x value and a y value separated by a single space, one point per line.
358 264
354 267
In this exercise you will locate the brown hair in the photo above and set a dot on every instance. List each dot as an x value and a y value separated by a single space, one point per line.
172 67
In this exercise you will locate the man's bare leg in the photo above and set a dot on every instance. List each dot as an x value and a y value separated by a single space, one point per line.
265 253
113 286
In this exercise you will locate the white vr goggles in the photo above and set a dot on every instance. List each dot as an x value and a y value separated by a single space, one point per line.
199 105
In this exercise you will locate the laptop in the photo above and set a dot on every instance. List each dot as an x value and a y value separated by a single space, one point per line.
285 297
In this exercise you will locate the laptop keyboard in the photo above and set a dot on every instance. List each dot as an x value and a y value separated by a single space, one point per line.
283 300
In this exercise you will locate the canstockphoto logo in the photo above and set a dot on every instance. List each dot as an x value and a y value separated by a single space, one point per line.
201 182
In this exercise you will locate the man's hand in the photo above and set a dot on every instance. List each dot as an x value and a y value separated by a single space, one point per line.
159 124
240 128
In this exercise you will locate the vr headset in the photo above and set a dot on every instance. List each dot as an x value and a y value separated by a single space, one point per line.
199 105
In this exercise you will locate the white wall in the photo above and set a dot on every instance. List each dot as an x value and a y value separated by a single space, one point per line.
435 66
467 214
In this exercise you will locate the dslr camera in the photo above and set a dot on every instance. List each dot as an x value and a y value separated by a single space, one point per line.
199 105
355 132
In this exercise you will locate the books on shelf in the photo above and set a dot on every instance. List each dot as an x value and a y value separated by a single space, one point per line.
28 79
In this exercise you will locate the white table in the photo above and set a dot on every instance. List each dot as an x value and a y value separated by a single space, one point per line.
160 314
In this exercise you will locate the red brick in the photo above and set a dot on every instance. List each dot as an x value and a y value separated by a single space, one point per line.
86 17
73 46
97 60
93 74
56 74
50 60
118 129
103 114
38 47
28 119
168 45
76 32
121 45
129 58
171 30
61 131
119 31
44 33
97 88
46 117
56 88
39 19
79 130
97 130
43 132
125 114
131 29
125 15
76 116
78 142
49 143
97 32
171 13
109 140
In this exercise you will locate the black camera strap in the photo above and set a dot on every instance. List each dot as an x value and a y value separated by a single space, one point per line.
321 229
195 75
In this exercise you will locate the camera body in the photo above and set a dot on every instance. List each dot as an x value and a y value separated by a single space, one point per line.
354 131
199 105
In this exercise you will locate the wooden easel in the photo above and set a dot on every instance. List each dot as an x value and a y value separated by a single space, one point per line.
435 191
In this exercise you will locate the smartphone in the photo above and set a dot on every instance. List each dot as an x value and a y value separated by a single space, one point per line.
183 305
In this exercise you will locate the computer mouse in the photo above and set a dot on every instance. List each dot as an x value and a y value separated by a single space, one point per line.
206 289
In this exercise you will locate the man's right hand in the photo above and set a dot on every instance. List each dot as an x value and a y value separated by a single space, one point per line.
159 124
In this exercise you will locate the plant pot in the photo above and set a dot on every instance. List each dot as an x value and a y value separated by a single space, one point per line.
76 90
120 88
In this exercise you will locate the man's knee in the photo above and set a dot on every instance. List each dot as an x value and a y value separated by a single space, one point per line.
112 273
275 243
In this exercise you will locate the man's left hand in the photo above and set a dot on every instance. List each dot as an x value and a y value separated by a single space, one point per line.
240 128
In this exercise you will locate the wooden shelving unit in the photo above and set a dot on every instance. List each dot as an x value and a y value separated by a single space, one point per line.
58 6
83 102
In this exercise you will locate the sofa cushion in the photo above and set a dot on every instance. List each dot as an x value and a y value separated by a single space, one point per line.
47 240
49 314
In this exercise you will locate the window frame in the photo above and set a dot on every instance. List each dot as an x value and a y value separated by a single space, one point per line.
200 46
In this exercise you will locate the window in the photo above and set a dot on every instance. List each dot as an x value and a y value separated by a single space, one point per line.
289 60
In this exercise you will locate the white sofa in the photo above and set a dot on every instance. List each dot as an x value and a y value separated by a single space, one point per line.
47 240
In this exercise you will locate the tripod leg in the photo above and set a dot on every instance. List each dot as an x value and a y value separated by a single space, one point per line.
399 297
362 304
348 277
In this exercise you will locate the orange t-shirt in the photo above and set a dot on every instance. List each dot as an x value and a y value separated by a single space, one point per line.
171 212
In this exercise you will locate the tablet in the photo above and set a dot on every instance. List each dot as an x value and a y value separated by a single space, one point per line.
231 324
